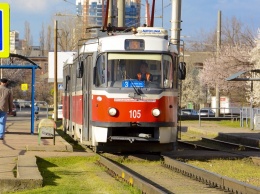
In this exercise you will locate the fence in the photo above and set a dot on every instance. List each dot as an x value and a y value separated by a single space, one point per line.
242 113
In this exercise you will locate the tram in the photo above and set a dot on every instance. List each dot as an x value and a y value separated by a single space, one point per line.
107 107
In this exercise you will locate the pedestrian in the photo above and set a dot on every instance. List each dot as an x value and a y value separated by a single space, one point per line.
36 111
6 105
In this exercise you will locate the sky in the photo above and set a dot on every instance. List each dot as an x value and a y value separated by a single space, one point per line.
197 15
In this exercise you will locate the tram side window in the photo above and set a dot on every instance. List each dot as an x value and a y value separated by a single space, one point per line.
167 72
100 73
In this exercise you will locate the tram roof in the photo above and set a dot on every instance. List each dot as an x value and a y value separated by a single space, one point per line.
117 43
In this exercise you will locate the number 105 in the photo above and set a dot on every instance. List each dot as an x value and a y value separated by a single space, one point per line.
135 114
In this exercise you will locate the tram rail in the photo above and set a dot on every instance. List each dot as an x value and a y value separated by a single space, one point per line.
213 180
210 178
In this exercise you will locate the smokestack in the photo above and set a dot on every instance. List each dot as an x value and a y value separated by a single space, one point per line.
176 22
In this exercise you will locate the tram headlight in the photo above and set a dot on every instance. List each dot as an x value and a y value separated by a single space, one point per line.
112 111
156 112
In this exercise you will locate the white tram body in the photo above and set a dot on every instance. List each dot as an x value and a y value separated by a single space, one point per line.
107 107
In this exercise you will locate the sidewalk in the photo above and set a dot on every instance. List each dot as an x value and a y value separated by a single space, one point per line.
18 168
18 137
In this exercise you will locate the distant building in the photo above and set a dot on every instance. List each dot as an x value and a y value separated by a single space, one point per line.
132 13
79 7
93 12
14 41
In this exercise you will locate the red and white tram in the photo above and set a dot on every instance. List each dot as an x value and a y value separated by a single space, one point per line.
105 105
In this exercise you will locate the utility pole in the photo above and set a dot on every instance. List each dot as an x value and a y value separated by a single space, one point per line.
175 39
162 13
218 50
176 23
110 12
55 86
121 13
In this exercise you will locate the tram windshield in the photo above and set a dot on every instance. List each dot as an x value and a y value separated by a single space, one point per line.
123 70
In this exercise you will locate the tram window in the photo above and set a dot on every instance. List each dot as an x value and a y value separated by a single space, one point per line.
80 70
167 72
67 82
100 72
121 67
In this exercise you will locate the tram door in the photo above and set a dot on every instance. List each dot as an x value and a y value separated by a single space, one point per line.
86 81
67 97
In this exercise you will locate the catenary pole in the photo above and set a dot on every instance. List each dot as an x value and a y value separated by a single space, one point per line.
121 13
218 50
55 86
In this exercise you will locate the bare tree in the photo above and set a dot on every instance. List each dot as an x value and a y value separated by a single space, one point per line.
49 39
69 33
234 33
28 39
42 40
203 42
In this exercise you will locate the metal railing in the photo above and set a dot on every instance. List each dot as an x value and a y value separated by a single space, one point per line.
246 114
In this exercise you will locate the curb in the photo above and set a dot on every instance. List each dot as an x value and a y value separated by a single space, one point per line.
232 138
28 176
244 140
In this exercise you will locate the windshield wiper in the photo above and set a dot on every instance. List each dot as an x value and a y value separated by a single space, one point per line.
137 90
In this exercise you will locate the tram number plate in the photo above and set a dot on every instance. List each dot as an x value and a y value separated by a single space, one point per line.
133 83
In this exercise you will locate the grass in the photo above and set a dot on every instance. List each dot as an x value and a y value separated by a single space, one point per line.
221 123
242 169
228 123
76 146
69 175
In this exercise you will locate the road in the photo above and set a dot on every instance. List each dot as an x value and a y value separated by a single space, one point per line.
25 114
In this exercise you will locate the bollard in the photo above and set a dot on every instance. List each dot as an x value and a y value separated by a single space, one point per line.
46 130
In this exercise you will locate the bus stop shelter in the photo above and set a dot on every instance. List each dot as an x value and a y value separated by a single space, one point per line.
251 75
33 66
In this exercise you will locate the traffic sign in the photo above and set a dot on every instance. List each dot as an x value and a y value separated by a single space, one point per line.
24 87
4 30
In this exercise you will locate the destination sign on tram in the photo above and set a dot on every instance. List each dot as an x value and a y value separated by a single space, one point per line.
134 44
133 83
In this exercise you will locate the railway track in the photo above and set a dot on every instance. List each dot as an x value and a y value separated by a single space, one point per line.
167 177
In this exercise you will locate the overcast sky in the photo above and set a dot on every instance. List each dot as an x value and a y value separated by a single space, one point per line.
197 15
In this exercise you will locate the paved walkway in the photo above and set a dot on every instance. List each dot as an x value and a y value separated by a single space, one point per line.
18 151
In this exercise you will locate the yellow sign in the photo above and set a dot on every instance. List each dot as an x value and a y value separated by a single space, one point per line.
24 87
4 30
